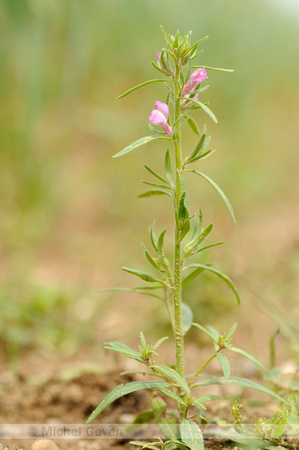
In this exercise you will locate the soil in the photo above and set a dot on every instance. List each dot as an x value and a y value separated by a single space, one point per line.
68 394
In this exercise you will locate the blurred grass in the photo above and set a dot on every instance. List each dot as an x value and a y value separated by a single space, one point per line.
69 216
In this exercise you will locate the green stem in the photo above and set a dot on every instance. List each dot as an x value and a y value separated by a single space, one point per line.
201 369
177 295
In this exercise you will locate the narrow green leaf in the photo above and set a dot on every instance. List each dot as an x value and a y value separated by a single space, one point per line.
252 442
205 398
159 406
168 170
171 394
196 229
203 155
231 331
152 192
188 71
162 186
142 339
192 276
143 417
151 260
164 62
204 107
153 236
145 445
192 124
206 247
207 332
122 348
184 229
159 342
214 68
165 36
191 434
197 148
156 175
194 46
157 132
142 372
139 86
144 276
194 243
149 288
158 68
220 192
187 317
124 389
183 212
173 375
136 290
278 427
176 38
214 332
139 143
173 56
196 55
161 242
236 381
175 444
169 428
293 417
219 274
248 356
225 365
182 181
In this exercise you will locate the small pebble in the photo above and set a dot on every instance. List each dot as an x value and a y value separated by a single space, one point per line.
44 444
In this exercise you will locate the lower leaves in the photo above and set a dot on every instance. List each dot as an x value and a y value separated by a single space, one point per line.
181 427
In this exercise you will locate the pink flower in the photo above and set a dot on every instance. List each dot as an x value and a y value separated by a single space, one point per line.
184 104
195 79
168 72
159 116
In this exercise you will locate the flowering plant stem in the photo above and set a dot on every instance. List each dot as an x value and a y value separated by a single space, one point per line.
177 426
177 293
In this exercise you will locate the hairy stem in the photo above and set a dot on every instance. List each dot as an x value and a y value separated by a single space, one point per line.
177 295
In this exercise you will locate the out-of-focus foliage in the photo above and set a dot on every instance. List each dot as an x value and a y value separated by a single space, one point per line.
62 65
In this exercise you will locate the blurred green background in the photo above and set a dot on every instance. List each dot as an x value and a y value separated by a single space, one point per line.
69 214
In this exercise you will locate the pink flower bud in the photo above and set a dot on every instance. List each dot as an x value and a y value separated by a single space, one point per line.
195 79
168 72
159 116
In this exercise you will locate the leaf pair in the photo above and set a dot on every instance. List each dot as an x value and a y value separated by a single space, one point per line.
199 150
198 237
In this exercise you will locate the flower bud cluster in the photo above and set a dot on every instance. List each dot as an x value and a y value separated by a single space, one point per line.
178 53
